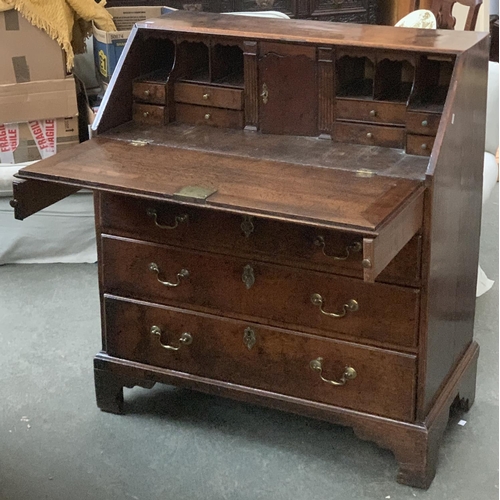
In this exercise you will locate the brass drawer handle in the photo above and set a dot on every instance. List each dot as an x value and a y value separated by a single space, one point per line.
207 116
206 97
151 212
349 372
425 123
369 135
145 114
183 273
353 247
146 93
351 305
185 339
373 113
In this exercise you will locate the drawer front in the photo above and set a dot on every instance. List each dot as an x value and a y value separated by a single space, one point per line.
371 111
422 123
273 241
419 145
151 93
375 135
149 114
215 117
204 95
278 295
262 357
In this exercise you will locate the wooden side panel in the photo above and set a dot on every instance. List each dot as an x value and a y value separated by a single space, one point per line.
453 217
31 196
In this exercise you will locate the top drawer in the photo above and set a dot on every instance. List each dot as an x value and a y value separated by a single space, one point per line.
371 111
206 95
273 241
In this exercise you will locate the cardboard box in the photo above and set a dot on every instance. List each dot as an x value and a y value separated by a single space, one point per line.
37 139
37 119
108 45
27 53
23 102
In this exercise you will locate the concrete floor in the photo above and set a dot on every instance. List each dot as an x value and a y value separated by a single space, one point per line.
176 444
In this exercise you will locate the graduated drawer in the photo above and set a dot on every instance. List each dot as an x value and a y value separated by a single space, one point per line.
375 135
419 145
275 241
149 114
370 111
422 123
150 92
278 295
204 95
203 115
262 357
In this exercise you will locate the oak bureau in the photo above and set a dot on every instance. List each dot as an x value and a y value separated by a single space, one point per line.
288 214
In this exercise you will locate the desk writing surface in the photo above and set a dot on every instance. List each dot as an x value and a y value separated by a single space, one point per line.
324 196
298 150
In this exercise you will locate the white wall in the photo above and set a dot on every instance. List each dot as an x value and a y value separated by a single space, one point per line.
483 20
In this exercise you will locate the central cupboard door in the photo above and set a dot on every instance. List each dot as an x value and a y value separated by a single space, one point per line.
284 71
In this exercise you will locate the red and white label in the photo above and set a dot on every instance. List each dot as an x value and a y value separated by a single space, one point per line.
44 133
9 141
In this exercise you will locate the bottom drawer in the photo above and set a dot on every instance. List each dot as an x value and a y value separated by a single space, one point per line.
261 357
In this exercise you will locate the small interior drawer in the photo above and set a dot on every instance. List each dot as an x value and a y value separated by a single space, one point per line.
422 123
150 114
376 135
419 145
282 361
214 117
149 92
204 95
371 111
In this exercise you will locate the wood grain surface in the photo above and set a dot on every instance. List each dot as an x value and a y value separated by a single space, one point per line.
326 197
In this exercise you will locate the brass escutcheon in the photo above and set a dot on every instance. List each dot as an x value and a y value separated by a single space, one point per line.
247 225
249 338
353 247
248 276
185 339
351 305
265 94
349 372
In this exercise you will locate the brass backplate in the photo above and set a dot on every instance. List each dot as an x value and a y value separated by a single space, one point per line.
194 193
